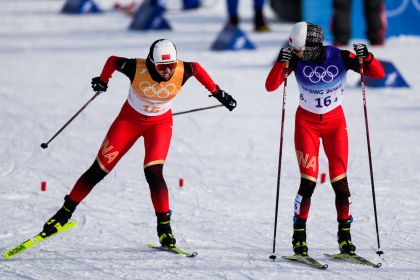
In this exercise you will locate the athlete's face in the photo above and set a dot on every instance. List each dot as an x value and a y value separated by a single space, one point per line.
166 70
298 53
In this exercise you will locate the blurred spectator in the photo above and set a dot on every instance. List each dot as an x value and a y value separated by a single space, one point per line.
128 9
374 11
260 24
287 10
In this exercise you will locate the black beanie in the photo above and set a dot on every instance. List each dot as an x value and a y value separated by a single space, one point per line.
313 43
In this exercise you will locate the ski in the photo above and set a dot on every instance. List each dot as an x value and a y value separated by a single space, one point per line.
306 260
174 250
354 259
35 241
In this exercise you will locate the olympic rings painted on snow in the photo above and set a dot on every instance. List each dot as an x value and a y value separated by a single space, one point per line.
320 73
157 90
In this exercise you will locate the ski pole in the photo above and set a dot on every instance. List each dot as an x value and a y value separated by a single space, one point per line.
198 109
286 67
379 251
45 145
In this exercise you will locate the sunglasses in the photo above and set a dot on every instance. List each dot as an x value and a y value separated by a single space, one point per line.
162 67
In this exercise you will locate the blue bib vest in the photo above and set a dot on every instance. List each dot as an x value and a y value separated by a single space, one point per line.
321 86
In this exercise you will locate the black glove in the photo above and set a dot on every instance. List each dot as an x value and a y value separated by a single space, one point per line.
361 50
98 85
284 55
225 98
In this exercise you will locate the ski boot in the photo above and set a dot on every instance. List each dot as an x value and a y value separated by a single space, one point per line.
299 237
344 238
164 230
60 218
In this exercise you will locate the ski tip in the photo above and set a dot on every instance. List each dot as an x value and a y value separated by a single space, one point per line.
71 224
5 256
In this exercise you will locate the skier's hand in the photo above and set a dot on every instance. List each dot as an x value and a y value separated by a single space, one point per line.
99 85
225 98
361 50
284 55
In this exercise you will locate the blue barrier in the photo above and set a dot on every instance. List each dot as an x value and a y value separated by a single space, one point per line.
393 77
191 4
80 7
149 16
232 38
403 17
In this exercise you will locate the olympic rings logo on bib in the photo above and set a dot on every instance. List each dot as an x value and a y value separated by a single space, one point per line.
320 73
157 90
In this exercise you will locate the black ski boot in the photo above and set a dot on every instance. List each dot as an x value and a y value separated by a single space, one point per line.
299 237
60 218
164 230
344 239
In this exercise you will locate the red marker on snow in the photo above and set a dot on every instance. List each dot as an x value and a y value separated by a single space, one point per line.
323 177
181 182
43 186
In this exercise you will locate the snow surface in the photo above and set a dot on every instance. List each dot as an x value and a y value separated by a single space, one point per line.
228 160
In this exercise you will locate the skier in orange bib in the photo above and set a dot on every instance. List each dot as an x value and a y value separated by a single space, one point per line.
155 81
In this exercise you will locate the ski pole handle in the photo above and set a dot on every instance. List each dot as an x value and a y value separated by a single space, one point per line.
360 59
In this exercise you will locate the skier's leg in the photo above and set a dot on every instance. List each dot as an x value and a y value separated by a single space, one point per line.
302 205
344 218
307 142
120 137
157 140
335 141
160 199
307 147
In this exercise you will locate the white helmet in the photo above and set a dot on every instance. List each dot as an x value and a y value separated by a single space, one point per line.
163 51
297 37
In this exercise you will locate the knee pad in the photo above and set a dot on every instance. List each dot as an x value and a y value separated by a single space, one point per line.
341 189
154 176
306 187
93 175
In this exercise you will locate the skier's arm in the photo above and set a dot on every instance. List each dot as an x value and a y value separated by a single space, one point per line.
372 68
121 64
277 74
276 77
195 69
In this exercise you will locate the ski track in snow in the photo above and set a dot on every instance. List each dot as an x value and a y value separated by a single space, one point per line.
228 160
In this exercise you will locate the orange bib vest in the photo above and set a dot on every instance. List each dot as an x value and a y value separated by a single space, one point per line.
152 98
